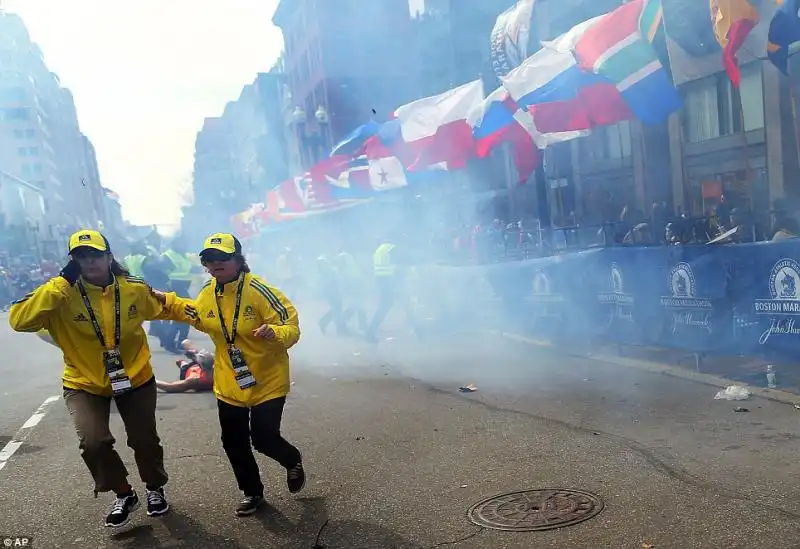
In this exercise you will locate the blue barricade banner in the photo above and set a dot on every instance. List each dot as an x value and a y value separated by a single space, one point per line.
726 299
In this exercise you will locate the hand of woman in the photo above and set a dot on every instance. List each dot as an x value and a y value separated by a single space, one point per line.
265 332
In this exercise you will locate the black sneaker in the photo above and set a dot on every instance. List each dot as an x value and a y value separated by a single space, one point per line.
156 503
122 509
249 505
296 478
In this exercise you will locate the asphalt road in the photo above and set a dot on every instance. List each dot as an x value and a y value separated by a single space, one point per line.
396 455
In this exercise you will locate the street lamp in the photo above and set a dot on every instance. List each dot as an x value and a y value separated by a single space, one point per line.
324 126
299 121
299 116
321 115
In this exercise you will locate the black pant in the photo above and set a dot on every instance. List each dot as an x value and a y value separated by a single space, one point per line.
334 314
173 333
262 424
389 293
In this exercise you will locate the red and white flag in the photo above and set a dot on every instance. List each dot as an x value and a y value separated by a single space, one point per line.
435 129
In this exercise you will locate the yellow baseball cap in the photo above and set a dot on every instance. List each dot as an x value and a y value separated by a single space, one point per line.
88 238
222 242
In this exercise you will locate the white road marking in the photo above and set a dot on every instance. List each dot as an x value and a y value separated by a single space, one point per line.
14 444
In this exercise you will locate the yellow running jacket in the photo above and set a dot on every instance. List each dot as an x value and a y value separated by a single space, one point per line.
57 307
268 360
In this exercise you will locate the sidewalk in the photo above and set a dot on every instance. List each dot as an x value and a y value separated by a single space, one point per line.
711 369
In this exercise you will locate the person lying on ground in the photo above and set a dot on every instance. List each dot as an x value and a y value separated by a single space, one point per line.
196 373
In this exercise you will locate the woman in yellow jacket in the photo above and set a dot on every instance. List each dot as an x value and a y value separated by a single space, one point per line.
252 325
93 311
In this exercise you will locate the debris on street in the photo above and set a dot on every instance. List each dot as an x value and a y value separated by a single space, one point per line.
733 392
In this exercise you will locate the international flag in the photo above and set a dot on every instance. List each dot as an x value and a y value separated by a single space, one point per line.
355 140
435 129
111 194
367 177
600 72
619 48
732 21
784 30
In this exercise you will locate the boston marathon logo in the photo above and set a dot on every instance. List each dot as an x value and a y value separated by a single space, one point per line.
687 308
784 307
548 304
621 303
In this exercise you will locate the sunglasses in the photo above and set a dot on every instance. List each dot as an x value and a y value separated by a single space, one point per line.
87 253
214 256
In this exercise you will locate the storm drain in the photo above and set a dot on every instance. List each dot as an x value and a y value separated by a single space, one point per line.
532 510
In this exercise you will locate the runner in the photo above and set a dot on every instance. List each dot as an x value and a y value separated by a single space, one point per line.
196 373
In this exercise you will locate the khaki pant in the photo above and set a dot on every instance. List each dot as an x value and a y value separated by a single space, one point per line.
91 414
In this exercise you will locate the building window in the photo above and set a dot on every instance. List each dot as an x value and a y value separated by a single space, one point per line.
22 151
610 142
16 114
37 168
30 132
712 105
19 134
33 151
26 168
14 94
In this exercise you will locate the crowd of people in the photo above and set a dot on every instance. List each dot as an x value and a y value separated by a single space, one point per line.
722 223
20 275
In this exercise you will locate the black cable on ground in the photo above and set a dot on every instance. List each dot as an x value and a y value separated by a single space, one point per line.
457 541
318 543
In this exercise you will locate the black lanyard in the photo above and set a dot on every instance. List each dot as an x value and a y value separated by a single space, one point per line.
231 337
93 318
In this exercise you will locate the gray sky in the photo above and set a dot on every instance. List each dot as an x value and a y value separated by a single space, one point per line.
144 75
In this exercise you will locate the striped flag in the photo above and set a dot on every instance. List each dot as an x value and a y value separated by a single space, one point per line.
619 47
111 194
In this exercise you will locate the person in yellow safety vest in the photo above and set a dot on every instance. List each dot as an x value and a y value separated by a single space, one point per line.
179 269
154 272
386 263
134 261
134 264
329 289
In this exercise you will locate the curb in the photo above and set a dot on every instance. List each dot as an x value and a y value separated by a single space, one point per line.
775 395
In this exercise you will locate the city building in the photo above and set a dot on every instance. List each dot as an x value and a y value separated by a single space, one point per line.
92 184
345 61
271 145
40 138
724 141
452 41
113 224
213 203
22 214
240 155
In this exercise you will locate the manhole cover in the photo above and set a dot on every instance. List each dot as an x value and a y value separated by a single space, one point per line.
535 510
